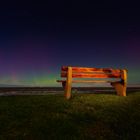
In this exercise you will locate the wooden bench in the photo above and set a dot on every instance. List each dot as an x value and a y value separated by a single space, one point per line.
116 77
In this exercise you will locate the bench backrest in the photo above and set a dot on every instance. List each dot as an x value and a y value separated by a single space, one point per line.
82 72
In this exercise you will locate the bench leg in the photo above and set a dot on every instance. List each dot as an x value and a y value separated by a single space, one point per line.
120 88
68 91
68 83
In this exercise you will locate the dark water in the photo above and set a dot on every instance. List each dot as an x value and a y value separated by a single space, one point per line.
8 91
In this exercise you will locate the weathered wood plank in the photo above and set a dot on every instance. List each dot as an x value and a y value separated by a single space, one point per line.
93 81
89 81
76 75
82 69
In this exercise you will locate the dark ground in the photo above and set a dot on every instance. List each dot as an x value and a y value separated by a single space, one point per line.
102 116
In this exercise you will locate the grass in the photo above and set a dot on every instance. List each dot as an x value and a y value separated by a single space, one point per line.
84 117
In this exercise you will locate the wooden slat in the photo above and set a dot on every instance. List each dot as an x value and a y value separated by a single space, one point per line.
95 75
64 73
85 69
76 75
89 81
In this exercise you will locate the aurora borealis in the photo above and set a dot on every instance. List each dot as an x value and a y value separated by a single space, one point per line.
36 39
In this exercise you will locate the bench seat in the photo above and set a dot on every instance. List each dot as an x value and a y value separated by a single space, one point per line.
88 81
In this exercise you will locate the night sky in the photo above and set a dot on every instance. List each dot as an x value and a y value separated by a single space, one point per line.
36 39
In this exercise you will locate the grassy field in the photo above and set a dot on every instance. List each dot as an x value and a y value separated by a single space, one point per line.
84 117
